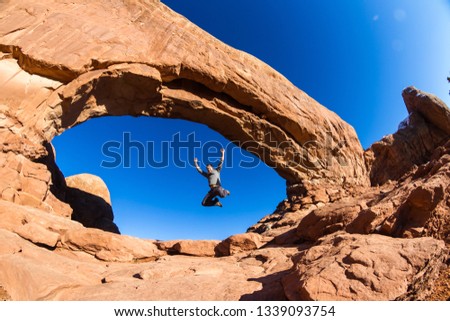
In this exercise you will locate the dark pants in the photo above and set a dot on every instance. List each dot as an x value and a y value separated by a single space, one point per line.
210 198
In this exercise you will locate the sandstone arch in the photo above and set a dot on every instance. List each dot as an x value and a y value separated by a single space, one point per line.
62 63
147 60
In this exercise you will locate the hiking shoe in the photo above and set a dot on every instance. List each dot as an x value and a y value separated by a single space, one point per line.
219 204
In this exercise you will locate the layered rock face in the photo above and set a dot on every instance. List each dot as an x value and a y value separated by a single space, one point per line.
334 237
359 240
419 135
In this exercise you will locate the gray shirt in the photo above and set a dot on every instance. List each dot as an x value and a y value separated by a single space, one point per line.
214 176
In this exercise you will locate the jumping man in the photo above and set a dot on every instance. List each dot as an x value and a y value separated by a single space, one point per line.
213 176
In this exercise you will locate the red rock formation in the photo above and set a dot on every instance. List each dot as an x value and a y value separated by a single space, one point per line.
195 248
414 206
365 267
89 198
240 243
413 203
62 63
426 128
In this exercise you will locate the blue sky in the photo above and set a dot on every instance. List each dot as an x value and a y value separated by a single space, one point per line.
354 57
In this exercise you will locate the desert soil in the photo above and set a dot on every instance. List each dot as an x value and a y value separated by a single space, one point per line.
441 291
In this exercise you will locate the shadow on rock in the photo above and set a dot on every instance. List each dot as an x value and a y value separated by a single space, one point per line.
91 210
272 289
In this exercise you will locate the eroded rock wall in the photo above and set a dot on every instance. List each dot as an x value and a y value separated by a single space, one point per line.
426 128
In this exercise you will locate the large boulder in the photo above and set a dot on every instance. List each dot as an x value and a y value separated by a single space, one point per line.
366 267
432 108
240 243
195 248
89 198
426 128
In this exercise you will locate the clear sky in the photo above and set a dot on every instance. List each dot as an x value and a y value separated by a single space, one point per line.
354 57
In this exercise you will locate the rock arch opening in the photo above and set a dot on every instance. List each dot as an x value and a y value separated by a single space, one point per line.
284 138
296 152
151 184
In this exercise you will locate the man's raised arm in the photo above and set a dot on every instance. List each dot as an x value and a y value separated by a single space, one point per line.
198 167
219 167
